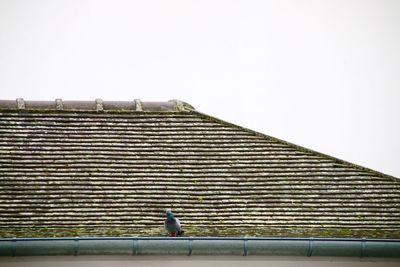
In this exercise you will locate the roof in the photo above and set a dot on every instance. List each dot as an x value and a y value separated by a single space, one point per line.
99 168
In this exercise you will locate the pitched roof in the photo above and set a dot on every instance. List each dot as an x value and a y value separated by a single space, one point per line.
103 168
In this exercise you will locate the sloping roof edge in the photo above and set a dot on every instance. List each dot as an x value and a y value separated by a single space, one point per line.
166 106
301 148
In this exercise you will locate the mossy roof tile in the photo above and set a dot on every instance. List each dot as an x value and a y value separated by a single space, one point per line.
68 172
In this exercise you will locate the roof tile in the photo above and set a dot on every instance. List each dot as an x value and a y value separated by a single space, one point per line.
67 169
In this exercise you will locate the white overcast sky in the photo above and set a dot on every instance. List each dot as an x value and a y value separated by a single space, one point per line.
321 74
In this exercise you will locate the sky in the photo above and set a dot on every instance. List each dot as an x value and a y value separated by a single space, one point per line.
324 75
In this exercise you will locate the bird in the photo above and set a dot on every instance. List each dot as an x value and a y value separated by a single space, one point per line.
172 224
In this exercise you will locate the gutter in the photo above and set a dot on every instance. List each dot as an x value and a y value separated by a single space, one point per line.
188 246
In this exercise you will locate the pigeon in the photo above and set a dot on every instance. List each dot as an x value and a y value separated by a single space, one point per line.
172 225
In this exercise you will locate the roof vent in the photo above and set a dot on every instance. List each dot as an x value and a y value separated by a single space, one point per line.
20 103
59 104
99 104
138 105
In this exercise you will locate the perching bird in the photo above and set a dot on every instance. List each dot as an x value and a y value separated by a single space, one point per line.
172 225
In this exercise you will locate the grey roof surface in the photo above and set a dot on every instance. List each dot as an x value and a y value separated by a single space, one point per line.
94 168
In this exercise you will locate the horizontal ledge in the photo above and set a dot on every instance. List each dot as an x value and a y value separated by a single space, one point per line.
313 217
93 221
193 195
261 246
256 184
23 175
197 238
188 207
13 115
186 187
197 192
98 105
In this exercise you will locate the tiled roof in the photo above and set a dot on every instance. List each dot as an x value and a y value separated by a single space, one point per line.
111 168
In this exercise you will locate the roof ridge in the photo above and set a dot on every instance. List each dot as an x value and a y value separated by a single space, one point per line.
97 105
301 148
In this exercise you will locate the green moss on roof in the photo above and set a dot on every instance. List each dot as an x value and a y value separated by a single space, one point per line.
200 232
113 174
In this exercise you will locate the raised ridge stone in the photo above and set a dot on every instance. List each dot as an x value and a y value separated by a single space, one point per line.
98 105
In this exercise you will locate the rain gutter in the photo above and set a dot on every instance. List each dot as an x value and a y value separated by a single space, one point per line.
187 246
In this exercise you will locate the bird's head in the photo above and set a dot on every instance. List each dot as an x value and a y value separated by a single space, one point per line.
169 213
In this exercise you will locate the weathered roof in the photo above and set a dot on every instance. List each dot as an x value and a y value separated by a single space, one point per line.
111 168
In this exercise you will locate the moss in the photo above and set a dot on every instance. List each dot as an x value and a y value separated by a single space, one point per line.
196 230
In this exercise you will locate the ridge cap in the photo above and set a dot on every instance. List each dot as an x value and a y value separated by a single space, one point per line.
98 105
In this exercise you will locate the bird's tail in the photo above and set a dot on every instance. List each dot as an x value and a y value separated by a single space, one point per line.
180 233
